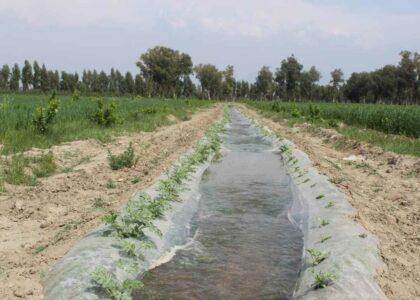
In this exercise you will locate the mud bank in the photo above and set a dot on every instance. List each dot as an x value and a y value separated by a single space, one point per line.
325 218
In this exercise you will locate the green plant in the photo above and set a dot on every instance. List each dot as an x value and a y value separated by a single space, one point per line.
325 238
129 248
105 114
320 197
110 184
42 118
317 256
127 159
332 123
76 96
363 235
314 111
113 288
135 180
324 222
99 202
16 171
330 204
44 165
323 279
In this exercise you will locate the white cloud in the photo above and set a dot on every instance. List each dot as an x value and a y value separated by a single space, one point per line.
255 19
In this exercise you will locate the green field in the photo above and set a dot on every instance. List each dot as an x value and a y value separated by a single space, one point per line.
77 119
393 127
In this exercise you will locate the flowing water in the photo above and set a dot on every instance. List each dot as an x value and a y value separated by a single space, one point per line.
242 244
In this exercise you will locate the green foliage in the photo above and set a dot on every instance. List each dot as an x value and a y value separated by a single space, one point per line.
74 122
42 118
16 171
113 288
110 184
326 238
323 279
105 114
129 247
127 159
363 235
317 256
324 222
330 204
314 111
44 165
320 196
76 96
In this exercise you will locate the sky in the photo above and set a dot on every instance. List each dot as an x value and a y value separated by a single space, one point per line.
354 35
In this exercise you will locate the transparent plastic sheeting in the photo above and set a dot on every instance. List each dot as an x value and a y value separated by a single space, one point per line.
354 260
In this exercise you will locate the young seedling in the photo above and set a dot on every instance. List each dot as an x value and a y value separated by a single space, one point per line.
324 222
313 185
330 204
127 159
135 180
306 180
363 235
323 279
320 197
325 238
129 248
317 256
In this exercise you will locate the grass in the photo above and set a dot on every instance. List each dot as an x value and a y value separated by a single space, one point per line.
45 165
391 127
73 119
127 159
325 238
324 222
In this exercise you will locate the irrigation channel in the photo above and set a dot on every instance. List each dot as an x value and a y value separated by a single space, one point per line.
242 244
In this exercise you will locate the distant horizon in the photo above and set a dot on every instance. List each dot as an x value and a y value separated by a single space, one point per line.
328 34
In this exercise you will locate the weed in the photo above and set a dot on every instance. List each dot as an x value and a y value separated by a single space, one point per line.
15 171
39 249
323 279
313 185
113 288
135 180
45 165
99 202
127 159
317 256
325 238
363 235
110 184
320 197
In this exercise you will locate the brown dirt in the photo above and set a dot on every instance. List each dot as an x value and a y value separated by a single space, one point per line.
384 189
38 225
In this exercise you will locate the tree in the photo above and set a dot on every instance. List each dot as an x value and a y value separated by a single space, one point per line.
165 68
288 76
407 76
210 80
229 82
4 77
27 76
139 85
358 87
307 82
44 82
128 83
264 87
336 82
36 78
15 78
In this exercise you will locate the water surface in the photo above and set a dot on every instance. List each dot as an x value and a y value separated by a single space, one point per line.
242 245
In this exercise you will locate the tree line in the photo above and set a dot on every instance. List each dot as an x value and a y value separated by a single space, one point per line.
165 72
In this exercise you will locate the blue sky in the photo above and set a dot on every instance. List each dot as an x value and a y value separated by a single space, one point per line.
72 35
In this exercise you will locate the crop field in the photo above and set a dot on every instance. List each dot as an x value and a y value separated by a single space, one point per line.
42 121
393 127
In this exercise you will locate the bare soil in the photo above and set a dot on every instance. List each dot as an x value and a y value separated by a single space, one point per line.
39 224
384 189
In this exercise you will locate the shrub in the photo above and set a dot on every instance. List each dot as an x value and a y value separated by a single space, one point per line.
42 117
127 159
314 111
76 96
105 114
